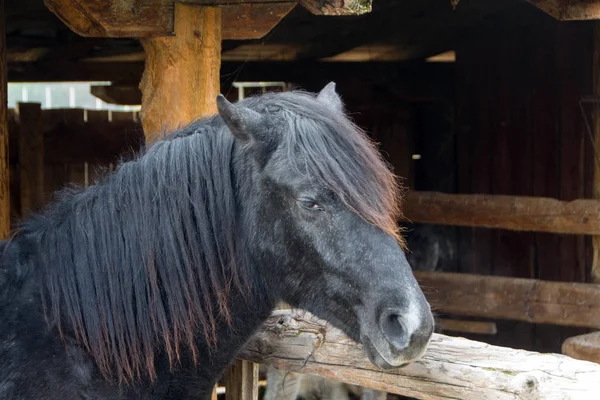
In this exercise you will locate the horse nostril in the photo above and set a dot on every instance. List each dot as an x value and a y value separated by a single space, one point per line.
394 329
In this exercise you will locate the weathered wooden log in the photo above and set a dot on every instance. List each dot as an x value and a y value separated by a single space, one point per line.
529 300
583 347
451 368
151 18
519 213
4 164
181 79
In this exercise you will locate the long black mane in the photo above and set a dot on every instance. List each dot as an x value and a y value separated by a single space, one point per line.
148 256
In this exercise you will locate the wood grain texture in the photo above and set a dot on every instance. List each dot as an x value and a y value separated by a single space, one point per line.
241 381
519 213
181 79
143 18
4 161
451 368
583 347
519 299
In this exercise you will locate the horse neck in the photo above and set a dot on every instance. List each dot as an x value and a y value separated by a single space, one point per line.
155 248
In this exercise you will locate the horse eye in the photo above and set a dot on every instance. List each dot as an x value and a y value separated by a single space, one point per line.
310 204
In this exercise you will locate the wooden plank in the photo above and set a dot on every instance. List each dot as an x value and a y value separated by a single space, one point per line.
151 18
452 367
519 213
31 157
241 381
569 10
519 299
477 327
4 162
583 347
181 80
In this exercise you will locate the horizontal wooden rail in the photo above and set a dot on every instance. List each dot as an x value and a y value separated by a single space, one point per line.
529 300
454 368
519 213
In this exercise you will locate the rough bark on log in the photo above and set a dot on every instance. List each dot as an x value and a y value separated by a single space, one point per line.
519 213
529 300
181 80
451 368
4 164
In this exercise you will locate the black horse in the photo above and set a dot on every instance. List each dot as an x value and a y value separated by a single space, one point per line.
147 284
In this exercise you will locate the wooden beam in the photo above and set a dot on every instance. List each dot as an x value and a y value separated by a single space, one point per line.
118 94
150 18
338 7
519 213
451 368
569 10
528 300
4 162
181 80
476 327
241 381
31 156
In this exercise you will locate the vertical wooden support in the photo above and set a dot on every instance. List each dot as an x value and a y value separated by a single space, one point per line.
31 156
4 166
241 381
595 269
587 347
181 76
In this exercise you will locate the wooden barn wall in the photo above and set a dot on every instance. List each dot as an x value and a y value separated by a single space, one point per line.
72 138
520 131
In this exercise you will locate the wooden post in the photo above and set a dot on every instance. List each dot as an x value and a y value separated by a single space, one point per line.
180 84
31 156
181 77
4 166
587 347
241 381
595 268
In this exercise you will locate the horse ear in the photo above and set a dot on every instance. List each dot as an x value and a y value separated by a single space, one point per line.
329 96
241 121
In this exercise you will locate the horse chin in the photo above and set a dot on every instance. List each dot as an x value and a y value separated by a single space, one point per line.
385 359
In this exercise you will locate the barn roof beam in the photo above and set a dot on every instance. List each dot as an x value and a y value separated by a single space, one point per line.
241 19
569 10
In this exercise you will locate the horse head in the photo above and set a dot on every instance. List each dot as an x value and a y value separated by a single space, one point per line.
321 221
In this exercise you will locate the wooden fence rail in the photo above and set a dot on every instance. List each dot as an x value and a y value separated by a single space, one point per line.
529 300
451 368
519 213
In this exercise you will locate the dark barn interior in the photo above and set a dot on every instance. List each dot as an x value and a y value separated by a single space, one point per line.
465 97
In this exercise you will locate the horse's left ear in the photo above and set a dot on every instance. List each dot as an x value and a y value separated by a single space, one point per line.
329 96
241 121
